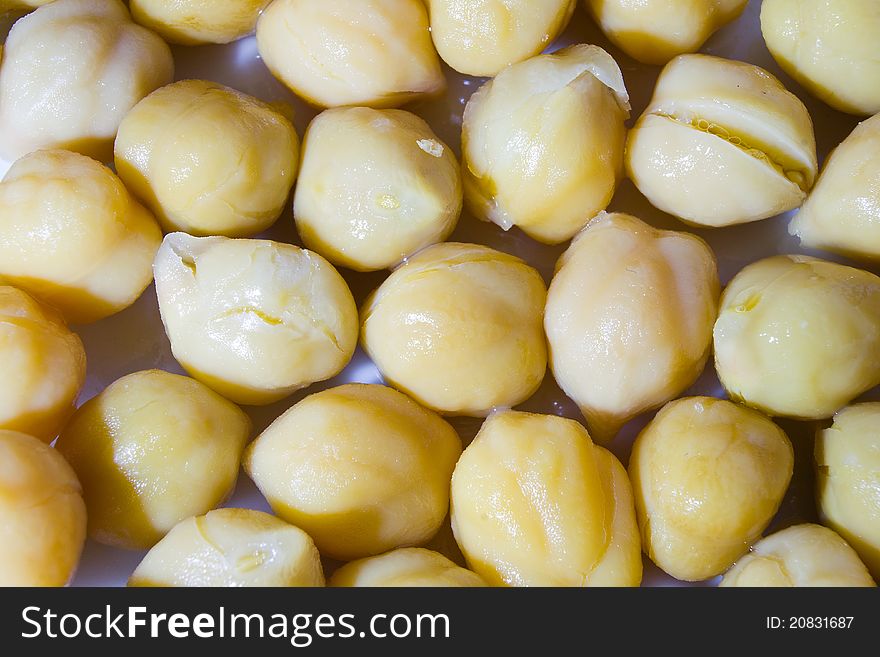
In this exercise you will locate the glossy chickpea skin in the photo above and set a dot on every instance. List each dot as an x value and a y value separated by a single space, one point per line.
351 52
48 362
708 476
482 37
231 547
458 327
799 337
405 567
362 468
194 22
655 31
375 187
71 70
629 318
253 319
150 450
536 503
722 142
42 515
543 142
848 479
803 555
72 236
830 47
842 213
246 154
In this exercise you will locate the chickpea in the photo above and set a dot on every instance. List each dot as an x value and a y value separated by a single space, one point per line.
351 52
655 31
708 477
246 155
848 479
458 327
73 237
150 450
49 363
42 515
362 468
536 503
830 47
193 22
798 336
231 547
71 70
254 320
543 142
803 555
482 37
842 213
722 142
405 567
629 318
376 186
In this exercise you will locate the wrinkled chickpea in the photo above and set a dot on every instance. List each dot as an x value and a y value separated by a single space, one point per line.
543 142
150 450
207 159
351 52
459 328
72 236
71 70
231 547
405 567
799 337
629 318
362 468
253 319
536 503
722 142
803 555
848 479
375 187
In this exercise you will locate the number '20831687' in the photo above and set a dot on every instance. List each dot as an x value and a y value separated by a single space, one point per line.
809 622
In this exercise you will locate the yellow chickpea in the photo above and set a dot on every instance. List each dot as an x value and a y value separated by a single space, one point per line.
536 503
150 450
405 567
708 477
231 547
42 515
193 22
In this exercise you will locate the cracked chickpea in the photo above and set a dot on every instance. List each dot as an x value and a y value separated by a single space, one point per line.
231 547
246 154
536 503
722 142
194 22
803 555
799 337
253 319
830 47
629 318
847 456
708 476
459 328
482 37
375 187
42 514
406 567
351 52
542 143
150 450
655 31
71 71
73 236
362 468
49 363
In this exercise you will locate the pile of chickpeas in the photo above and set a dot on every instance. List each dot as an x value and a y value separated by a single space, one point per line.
365 480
